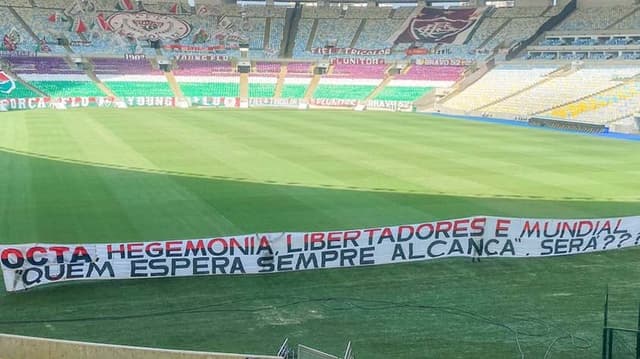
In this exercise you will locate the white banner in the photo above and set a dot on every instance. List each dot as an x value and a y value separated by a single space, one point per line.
29 265
274 102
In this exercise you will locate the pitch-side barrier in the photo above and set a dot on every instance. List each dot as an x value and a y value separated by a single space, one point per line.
18 347
63 103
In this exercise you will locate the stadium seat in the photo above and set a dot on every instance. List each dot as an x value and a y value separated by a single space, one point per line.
562 90
402 93
498 83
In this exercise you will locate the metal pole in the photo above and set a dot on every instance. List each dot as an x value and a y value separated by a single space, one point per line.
605 354
638 336
610 343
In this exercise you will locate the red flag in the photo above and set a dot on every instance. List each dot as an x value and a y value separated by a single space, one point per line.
8 43
54 17
125 5
4 77
177 8
78 26
104 25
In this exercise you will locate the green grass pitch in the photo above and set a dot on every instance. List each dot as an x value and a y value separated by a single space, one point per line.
146 174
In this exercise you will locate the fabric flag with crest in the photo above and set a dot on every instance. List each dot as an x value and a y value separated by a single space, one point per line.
225 23
11 40
125 5
439 26
78 26
102 23
8 44
42 46
178 9
201 37
57 17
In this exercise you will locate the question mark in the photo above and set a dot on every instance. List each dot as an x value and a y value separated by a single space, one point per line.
610 240
623 238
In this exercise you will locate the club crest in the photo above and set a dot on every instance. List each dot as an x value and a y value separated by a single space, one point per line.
149 26
7 85
438 29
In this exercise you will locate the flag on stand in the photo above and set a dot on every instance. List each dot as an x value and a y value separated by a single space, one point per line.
78 26
102 23
42 46
125 5
178 9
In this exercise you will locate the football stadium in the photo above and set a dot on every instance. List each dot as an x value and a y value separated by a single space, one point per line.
320 179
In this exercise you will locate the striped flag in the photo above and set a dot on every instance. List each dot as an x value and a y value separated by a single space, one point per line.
78 26
102 23
125 5
178 9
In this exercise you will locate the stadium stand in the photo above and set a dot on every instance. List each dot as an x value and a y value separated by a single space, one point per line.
397 92
563 89
594 18
295 88
203 62
358 71
220 86
137 85
20 91
262 82
606 106
64 85
433 76
332 88
511 79
375 33
41 65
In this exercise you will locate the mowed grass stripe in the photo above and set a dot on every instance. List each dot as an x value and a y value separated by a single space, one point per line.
409 156
499 160
401 159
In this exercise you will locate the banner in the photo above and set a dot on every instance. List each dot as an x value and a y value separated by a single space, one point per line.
208 101
205 57
350 51
34 103
330 102
274 102
189 48
135 57
144 25
417 51
403 106
29 265
440 26
356 61
444 62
